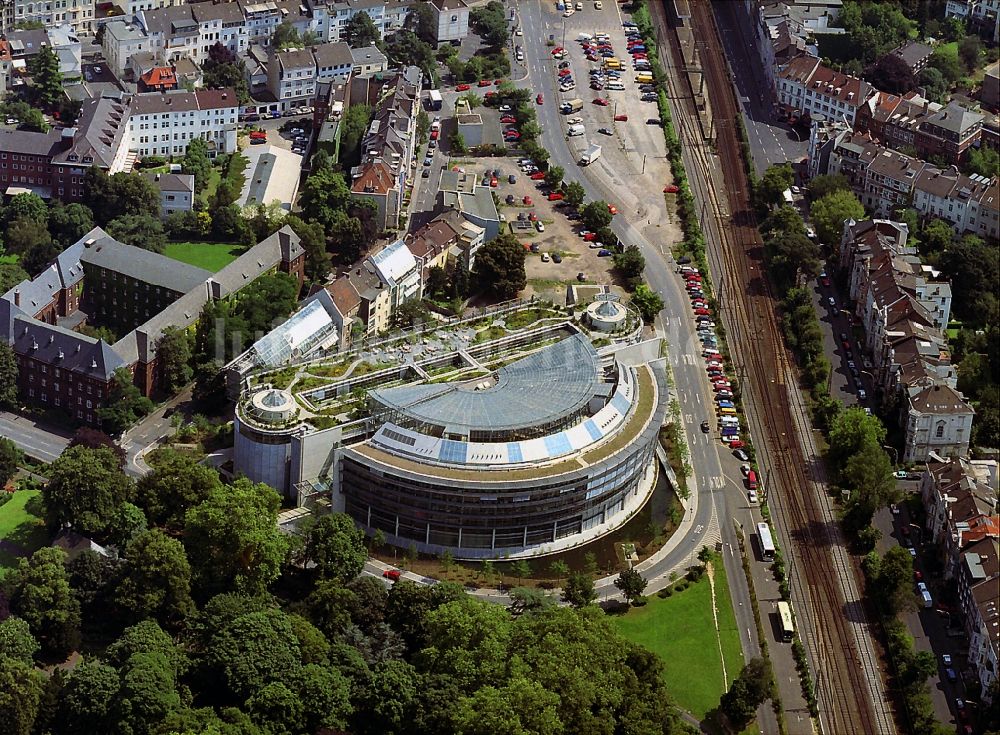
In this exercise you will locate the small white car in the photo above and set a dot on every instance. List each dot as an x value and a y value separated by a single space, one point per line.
539 226
545 257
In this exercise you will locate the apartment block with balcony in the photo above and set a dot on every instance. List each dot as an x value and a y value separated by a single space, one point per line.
948 134
78 14
121 42
807 88
189 31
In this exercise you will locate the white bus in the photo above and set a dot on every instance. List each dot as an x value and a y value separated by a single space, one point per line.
787 627
766 544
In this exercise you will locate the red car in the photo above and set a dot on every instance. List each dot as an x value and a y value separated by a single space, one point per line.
601 101
738 444
392 574
564 72
538 176
494 183
590 236
508 120
701 311
540 99
670 189
463 87
532 216
556 196
826 281
612 209
498 82
526 201
621 118
695 277
435 134
484 82
557 50
511 135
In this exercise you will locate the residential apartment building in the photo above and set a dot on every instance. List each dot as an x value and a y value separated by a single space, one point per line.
807 88
915 55
331 17
62 39
263 18
982 15
387 158
400 272
884 180
293 76
162 124
78 14
451 20
949 133
904 307
449 236
121 42
189 31
176 192
960 502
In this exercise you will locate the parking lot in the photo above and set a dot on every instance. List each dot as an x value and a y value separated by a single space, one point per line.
635 145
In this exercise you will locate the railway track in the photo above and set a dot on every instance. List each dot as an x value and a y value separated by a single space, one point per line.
823 577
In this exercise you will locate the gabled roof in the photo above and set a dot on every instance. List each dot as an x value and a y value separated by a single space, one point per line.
65 349
375 178
938 399
64 272
143 265
954 118
394 262
100 134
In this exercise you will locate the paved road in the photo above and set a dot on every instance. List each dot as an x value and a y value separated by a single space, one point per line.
35 439
716 488
145 435
770 140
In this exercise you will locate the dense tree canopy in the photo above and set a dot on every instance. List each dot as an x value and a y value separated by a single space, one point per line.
85 489
829 214
40 594
499 267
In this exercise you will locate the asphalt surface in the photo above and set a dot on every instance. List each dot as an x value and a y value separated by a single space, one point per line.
721 497
770 140
36 439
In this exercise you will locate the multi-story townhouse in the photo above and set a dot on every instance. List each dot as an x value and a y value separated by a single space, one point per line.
451 20
938 420
121 42
400 272
189 31
977 591
889 178
334 62
368 60
807 88
893 120
62 39
134 7
949 133
388 146
964 201
53 294
915 55
291 77
982 15
263 18
989 92
79 14
163 124
331 17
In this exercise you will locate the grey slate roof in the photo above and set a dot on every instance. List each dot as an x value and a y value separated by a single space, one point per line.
172 182
8 312
100 134
144 265
333 54
65 349
30 143
954 118
65 272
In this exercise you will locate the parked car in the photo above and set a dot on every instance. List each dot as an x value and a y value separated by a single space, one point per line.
740 454
540 99
463 87
392 574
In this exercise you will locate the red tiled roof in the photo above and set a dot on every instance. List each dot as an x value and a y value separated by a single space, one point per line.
160 76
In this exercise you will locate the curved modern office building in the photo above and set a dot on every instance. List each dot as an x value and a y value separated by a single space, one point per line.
546 452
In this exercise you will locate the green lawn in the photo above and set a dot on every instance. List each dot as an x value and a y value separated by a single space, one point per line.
212 256
213 181
20 528
680 630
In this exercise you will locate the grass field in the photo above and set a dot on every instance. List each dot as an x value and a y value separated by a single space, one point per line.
680 630
20 529
211 256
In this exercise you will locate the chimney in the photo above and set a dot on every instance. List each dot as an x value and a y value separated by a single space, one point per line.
17 297
927 103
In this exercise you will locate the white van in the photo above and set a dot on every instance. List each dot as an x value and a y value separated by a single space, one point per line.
729 421
584 37
615 85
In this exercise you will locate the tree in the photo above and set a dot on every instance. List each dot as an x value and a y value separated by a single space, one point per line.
974 264
25 206
499 267
490 22
829 214
354 126
420 19
87 699
8 376
946 61
40 594
11 274
313 241
91 438
156 579
337 547
521 569
574 194
983 161
325 696
69 222
404 48
197 163
84 490
140 230
579 590
223 69
595 215
176 484
937 235
360 31
233 540
892 582
24 234
825 184
21 691
147 695
252 650
749 690
46 79
891 74
934 84
554 176
631 583
16 641
456 144
111 197
630 262
267 301
173 351
777 179
11 457
647 301
852 431
127 523
285 36
125 405
970 51
324 194
789 255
